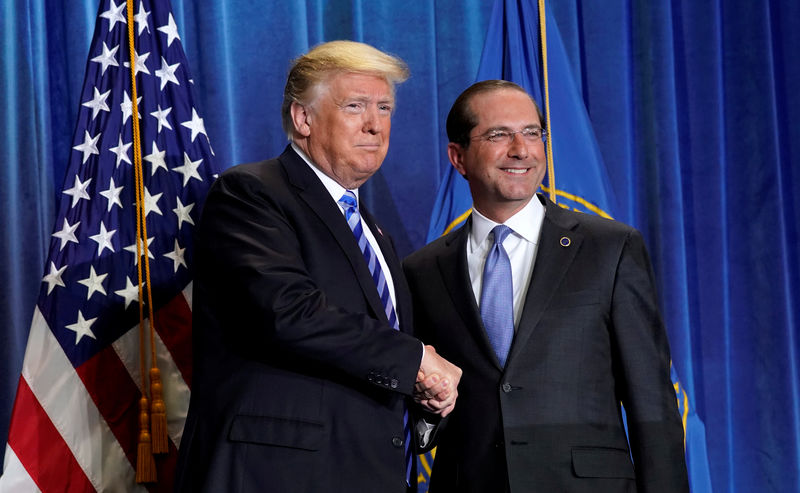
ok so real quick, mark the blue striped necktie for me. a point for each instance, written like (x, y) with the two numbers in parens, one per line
(497, 296)
(350, 206)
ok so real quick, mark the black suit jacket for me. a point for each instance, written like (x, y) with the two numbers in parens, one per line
(590, 337)
(298, 380)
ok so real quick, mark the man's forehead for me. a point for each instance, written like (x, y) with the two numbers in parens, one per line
(359, 82)
(505, 108)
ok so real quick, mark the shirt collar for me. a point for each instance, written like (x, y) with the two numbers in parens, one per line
(527, 223)
(331, 185)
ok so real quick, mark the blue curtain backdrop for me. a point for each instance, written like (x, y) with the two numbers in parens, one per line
(694, 106)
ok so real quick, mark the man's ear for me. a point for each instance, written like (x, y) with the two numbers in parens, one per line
(301, 117)
(455, 152)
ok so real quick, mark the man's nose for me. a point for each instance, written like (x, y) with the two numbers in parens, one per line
(518, 148)
(372, 120)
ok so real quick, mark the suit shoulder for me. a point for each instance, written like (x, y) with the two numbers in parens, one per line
(590, 223)
(251, 178)
(423, 257)
(259, 169)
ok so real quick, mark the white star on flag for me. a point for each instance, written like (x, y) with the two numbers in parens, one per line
(103, 239)
(82, 328)
(130, 292)
(108, 58)
(114, 14)
(167, 73)
(89, 145)
(176, 256)
(121, 150)
(151, 203)
(156, 159)
(132, 249)
(161, 116)
(189, 169)
(183, 212)
(171, 30)
(141, 18)
(98, 102)
(196, 125)
(126, 107)
(78, 190)
(112, 195)
(67, 233)
(94, 283)
(139, 62)
(53, 279)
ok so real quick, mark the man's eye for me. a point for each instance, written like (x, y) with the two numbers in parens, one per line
(385, 108)
(498, 136)
(353, 107)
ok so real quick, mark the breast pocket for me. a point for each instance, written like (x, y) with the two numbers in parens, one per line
(574, 299)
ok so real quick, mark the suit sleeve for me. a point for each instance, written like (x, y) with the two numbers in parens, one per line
(253, 261)
(643, 360)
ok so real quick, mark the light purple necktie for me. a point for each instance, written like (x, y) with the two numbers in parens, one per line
(350, 206)
(497, 296)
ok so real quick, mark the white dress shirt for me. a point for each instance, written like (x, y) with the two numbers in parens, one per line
(521, 246)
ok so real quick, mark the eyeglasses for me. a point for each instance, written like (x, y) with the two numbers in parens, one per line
(531, 135)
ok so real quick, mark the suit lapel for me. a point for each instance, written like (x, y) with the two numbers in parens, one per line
(455, 276)
(558, 245)
(316, 196)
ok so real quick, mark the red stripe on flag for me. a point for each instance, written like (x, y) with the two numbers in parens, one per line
(117, 396)
(41, 449)
(174, 326)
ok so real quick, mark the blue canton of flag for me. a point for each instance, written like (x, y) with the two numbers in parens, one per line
(80, 384)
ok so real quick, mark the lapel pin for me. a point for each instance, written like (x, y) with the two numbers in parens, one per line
(565, 242)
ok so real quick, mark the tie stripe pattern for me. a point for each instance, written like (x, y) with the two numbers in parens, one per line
(351, 214)
(497, 298)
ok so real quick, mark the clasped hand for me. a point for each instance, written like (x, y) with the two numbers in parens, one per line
(437, 383)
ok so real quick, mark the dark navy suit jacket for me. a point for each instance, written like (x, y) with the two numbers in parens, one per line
(590, 337)
(298, 381)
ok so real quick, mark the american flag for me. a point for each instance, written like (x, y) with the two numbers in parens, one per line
(74, 425)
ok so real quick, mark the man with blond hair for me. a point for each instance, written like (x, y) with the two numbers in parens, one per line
(304, 364)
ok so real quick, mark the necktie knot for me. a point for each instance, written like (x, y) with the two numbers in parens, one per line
(500, 232)
(349, 203)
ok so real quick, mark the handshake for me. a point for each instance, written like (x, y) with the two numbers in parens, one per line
(437, 383)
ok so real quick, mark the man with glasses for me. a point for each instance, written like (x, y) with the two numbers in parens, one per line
(552, 316)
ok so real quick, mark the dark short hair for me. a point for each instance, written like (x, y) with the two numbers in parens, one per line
(461, 119)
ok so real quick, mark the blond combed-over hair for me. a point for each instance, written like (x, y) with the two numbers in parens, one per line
(309, 72)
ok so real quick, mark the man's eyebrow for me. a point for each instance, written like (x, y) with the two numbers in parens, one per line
(506, 128)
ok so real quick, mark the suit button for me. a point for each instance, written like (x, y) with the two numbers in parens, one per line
(393, 383)
(506, 387)
(397, 442)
